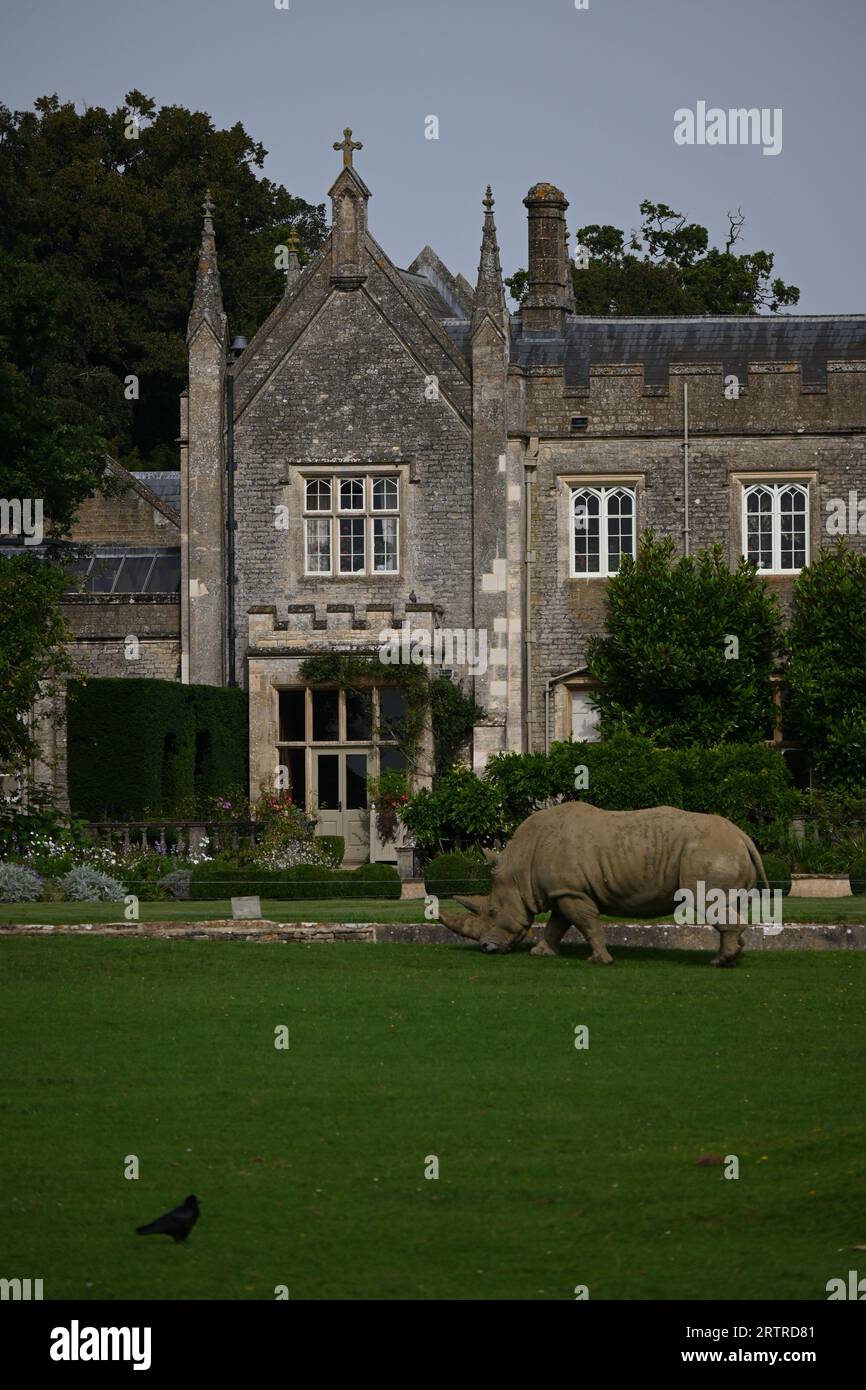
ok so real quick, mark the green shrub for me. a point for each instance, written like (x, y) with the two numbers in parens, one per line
(663, 659)
(176, 885)
(83, 885)
(374, 881)
(448, 874)
(826, 705)
(627, 773)
(332, 849)
(747, 783)
(778, 871)
(857, 875)
(460, 810)
(523, 780)
(19, 885)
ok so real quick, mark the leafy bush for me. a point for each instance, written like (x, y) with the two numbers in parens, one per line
(747, 783)
(448, 874)
(84, 885)
(176, 885)
(374, 881)
(19, 885)
(332, 849)
(827, 638)
(460, 810)
(778, 872)
(857, 875)
(627, 773)
(663, 662)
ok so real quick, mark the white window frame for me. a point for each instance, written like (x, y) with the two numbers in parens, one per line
(776, 487)
(367, 512)
(603, 493)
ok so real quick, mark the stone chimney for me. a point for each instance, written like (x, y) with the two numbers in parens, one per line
(550, 295)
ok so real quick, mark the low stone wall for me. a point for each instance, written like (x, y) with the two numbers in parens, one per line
(799, 937)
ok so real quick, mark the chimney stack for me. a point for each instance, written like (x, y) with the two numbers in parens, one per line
(551, 293)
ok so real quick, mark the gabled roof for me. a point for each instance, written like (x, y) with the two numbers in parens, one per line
(454, 290)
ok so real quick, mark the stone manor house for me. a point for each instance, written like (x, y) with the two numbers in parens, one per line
(394, 445)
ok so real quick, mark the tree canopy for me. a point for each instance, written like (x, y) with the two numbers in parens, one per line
(667, 266)
(104, 207)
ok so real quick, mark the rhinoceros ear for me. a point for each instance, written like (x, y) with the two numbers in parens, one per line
(476, 903)
(491, 857)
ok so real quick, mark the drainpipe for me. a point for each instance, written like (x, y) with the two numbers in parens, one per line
(528, 475)
(685, 468)
(230, 524)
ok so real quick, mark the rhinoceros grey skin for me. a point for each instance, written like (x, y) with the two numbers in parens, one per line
(582, 862)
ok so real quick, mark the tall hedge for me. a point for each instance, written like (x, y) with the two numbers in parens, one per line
(143, 748)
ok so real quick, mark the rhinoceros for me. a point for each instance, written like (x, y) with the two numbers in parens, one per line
(581, 862)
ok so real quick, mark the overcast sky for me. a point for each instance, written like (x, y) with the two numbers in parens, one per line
(523, 90)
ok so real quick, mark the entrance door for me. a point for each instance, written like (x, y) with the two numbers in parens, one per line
(356, 819)
(340, 799)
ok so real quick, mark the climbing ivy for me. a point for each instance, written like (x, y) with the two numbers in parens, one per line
(453, 712)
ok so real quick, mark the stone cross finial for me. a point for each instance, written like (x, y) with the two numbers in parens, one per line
(207, 205)
(488, 199)
(347, 145)
(293, 241)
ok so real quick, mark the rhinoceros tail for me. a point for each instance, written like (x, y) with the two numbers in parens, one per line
(754, 855)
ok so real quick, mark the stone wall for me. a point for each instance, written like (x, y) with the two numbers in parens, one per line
(341, 380)
(776, 429)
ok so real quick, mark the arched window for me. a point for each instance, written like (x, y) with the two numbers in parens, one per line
(776, 526)
(602, 529)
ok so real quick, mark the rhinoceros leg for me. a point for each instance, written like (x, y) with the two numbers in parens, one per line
(730, 949)
(554, 931)
(581, 913)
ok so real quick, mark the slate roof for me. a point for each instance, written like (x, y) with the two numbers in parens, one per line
(428, 293)
(733, 340)
(166, 485)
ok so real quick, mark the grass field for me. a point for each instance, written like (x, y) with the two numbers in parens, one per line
(828, 910)
(558, 1166)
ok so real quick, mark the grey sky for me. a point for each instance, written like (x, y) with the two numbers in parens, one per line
(523, 91)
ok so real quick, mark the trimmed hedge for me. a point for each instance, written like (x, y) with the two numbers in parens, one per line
(448, 874)
(305, 881)
(144, 748)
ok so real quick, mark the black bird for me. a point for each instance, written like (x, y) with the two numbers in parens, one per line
(177, 1223)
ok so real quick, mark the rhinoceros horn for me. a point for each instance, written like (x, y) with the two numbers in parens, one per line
(461, 922)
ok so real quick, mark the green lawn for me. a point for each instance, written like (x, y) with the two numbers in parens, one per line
(558, 1167)
(351, 910)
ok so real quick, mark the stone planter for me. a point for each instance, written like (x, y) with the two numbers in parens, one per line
(820, 886)
(408, 863)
